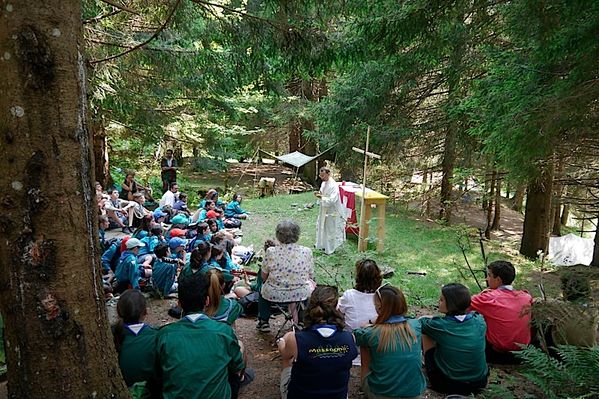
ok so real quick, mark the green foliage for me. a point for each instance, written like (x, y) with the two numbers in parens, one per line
(574, 375)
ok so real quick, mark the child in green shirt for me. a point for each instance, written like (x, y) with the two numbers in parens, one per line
(454, 345)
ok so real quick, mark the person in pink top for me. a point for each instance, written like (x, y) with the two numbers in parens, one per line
(506, 312)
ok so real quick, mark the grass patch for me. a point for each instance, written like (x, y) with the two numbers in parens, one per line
(411, 245)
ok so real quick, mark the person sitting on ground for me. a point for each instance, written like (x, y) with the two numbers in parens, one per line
(234, 210)
(357, 304)
(99, 189)
(170, 196)
(129, 270)
(181, 205)
(198, 260)
(119, 211)
(391, 349)
(130, 187)
(197, 357)
(208, 196)
(152, 241)
(135, 343)
(213, 226)
(318, 359)
(454, 345)
(221, 308)
(103, 224)
(287, 272)
(144, 227)
(178, 248)
(506, 312)
(200, 214)
(139, 211)
(164, 271)
(159, 216)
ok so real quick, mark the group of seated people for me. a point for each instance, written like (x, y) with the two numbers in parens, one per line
(126, 208)
(368, 325)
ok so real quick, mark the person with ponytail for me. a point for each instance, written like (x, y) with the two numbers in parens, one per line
(391, 349)
(454, 345)
(198, 260)
(318, 359)
(135, 343)
(219, 307)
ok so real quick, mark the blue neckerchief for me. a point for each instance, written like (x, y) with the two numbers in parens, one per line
(460, 318)
(395, 319)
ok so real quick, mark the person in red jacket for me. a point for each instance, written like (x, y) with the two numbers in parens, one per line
(506, 312)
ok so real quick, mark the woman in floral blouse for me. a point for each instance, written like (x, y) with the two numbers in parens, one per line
(287, 272)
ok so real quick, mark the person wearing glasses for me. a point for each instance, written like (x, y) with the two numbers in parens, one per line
(322, 349)
(357, 304)
(391, 349)
(454, 345)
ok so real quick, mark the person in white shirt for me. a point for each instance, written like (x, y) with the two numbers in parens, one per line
(171, 196)
(357, 304)
(330, 228)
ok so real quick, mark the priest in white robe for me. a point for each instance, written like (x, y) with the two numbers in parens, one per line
(330, 229)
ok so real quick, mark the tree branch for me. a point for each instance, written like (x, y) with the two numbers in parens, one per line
(100, 17)
(243, 14)
(140, 45)
(120, 7)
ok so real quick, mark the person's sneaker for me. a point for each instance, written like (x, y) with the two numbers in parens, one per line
(248, 376)
(263, 326)
(127, 230)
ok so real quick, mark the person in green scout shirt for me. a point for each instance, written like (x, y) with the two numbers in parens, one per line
(219, 307)
(390, 349)
(197, 357)
(135, 343)
(454, 345)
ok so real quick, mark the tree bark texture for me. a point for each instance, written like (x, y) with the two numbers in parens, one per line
(58, 342)
(447, 170)
(101, 155)
(519, 197)
(537, 223)
(565, 214)
(595, 261)
(496, 225)
(489, 208)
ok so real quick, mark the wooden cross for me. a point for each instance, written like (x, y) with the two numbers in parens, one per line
(362, 240)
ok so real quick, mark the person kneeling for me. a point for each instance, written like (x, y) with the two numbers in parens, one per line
(454, 345)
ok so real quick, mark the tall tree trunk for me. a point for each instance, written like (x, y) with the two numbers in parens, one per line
(519, 197)
(447, 169)
(101, 154)
(595, 261)
(489, 196)
(537, 225)
(565, 214)
(558, 190)
(497, 216)
(58, 342)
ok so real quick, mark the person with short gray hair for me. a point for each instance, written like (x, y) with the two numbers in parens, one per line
(287, 272)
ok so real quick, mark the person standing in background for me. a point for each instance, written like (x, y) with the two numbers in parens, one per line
(168, 173)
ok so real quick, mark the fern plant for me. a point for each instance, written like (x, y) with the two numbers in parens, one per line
(572, 375)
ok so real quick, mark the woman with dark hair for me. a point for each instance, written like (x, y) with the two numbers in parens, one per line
(198, 260)
(454, 345)
(323, 334)
(357, 304)
(234, 210)
(391, 349)
(135, 341)
(286, 271)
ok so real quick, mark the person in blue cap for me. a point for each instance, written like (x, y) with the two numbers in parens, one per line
(159, 215)
(178, 248)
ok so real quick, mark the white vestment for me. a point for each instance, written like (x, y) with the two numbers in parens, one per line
(330, 228)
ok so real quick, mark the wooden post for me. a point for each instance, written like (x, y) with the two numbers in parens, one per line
(363, 233)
